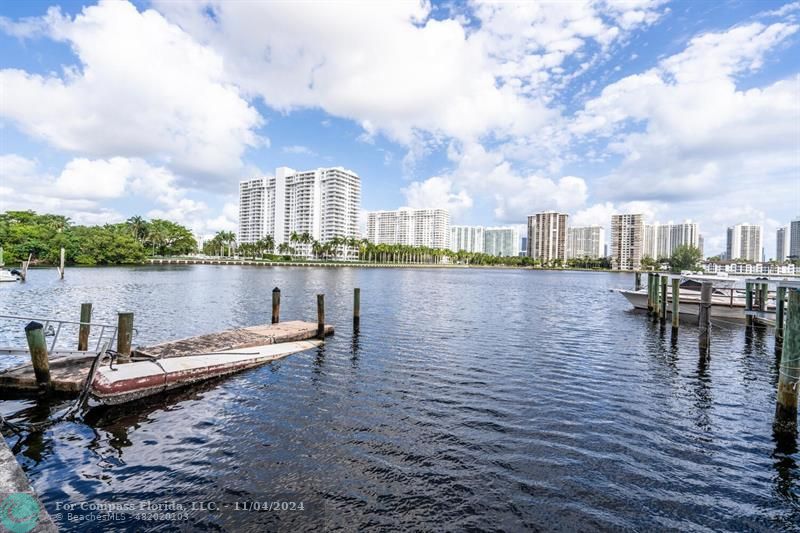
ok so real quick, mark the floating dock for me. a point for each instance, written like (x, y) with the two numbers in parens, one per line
(69, 370)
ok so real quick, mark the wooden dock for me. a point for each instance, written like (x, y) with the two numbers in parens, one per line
(68, 372)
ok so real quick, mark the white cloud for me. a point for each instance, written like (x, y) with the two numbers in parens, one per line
(144, 89)
(84, 186)
(298, 149)
(437, 192)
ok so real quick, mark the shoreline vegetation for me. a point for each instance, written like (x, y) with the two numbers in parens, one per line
(138, 241)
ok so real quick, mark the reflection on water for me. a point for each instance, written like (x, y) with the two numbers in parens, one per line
(466, 399)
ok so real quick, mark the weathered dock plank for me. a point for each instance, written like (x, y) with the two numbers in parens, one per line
(68, 374)
(21, 508)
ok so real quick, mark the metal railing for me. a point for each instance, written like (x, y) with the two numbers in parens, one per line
(49, 330)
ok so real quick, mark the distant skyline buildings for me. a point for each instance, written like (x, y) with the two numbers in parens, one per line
(794, 238)
(744, 242)
(501, 241)
(410, 227)
(659, 241)
(324, 202)
(466, 238)
(627, 236)
(586, 241)
(782, 243)
(547, 236)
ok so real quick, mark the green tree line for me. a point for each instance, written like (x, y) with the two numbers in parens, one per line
(42, 236)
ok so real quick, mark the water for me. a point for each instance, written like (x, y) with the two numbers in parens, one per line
(470, 399)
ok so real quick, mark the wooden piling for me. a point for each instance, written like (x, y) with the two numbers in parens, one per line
(663, 309)
(37, 345)
(780, 305)
(356, 307)
(84, 329)
(61, 264)
(124, 336)
(637, 281)
(321, 316)
(789, 375)
(656, 302)
(748, 302)
(649, 293)
(676, 304)
(704, 318)
(276, 305)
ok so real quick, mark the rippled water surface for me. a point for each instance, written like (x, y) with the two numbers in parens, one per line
(470, 399)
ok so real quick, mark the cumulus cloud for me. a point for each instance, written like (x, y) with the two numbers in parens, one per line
(438, 192)
(700, 132)
(144, 88)
(83, 188)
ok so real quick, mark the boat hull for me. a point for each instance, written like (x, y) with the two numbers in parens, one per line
(690, 307)
(136, 380)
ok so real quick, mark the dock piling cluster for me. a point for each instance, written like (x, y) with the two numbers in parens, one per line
(789, 371)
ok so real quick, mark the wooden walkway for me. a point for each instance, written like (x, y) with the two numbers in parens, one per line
(68, 373)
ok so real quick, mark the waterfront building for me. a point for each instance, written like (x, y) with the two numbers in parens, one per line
(737, 267)
(626, 241)
(701, 245)
(466, 238)
(794, 239)
(650, 240)
(782, 244)
(324, 202)
(411, 227)
(523, 248)
(744, 242)
(684, 234)
(547, 236)
(586, 241)
(501, 242)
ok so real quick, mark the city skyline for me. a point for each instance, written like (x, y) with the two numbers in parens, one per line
(676, 110)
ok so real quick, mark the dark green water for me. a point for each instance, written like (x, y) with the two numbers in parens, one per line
(470, 399)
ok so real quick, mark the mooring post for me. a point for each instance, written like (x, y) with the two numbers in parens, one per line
(748, 303)
(84, 329)
(663, 310)
(276, 305)
(356, 307)
(37, 345)
(676, 304)
(704, 318)
(321, 316)
(656, 292)
(637, 281)
(649, 293)
(789, 374)
(780, 306)
(124, 336)
(61, 263)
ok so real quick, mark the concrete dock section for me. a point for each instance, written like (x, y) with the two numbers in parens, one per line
(20, 508)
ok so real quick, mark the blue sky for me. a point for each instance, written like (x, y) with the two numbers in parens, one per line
(678, 110)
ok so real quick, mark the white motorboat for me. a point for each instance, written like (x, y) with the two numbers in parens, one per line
(728, 299)
(7, 275)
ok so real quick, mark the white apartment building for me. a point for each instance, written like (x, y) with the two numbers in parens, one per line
(794, 239)
(501, 242)
(547, 236)
(750, 268)
(411, 227)
(586, 241)
(744, 242)
(627, 232)
(324, 203)
(782, 244)
(466, 238)
(660, 240)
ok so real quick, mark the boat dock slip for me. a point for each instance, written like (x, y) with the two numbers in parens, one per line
(200, 357)
(19, 505)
